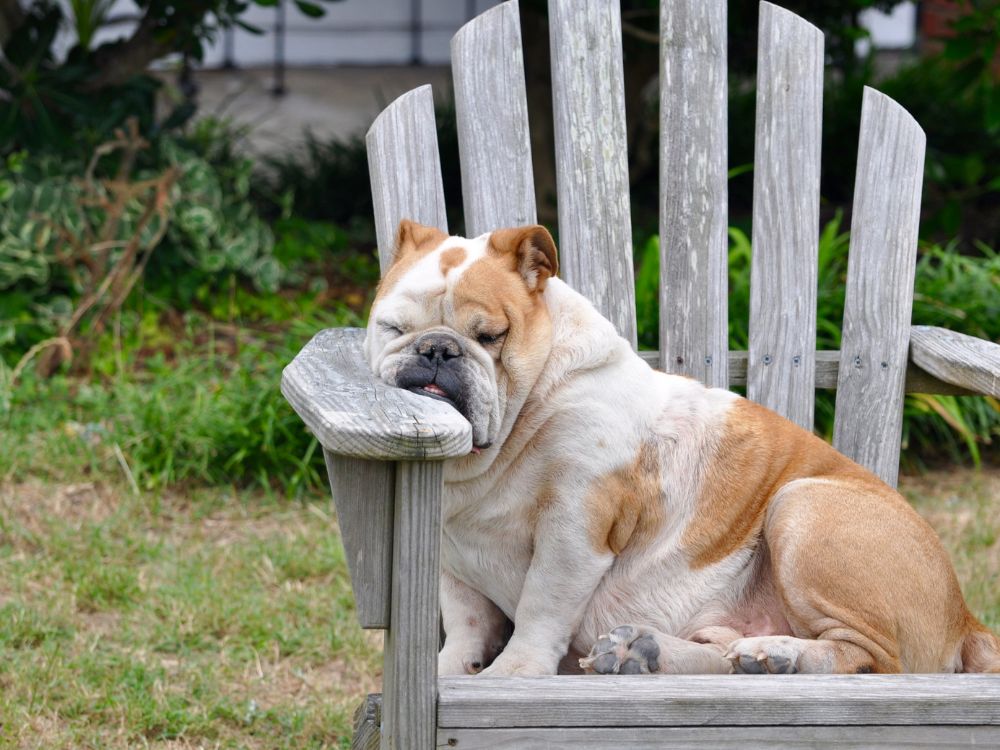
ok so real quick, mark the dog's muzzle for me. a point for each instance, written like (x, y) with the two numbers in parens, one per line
(436, 370)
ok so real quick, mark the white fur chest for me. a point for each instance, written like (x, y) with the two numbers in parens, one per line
(487, 540)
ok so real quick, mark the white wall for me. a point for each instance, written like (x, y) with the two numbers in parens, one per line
(378, 32)
(894, 30)
(352, 31)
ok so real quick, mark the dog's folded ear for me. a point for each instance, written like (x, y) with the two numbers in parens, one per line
(532, 252)
(411, 236)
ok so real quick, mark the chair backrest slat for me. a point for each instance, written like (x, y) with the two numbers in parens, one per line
(783, 276)
(881, 264)
(405, 169)
(694, 330)
(492, 112)
(588, 94)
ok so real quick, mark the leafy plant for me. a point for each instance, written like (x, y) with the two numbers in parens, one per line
(217, 228)
(75, 239)
(328, 178)
(75, 103)
(198, 403)
(951, 290)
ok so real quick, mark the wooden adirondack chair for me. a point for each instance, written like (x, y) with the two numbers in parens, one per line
(384, 446)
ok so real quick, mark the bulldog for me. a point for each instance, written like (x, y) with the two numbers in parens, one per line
(633, 521)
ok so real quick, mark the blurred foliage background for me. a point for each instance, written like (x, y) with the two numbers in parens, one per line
(154, 279)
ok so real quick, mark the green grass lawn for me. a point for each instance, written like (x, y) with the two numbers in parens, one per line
(204, 620)
(217, 619)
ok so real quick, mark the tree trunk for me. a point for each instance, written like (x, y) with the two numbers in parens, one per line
(117, 63)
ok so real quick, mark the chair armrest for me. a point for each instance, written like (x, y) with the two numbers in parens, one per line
(956, 358)
(353, 413)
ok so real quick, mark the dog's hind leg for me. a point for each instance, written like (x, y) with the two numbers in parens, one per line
(633, 649)
(864, 584)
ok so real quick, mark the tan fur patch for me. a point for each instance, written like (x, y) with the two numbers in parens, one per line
(759, 453)
(451, 258)
(488, 287)
(489, 296)
(981, 649)
(529, 250)
(546, 498)
(413, 242)
(626, 506)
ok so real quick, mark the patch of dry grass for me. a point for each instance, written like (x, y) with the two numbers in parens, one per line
(215, 621)
(963, 506)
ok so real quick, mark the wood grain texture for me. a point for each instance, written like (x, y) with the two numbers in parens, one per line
(353, 413)
(956, 358)
(783, 268)
(367, 723)
(880, 268)
(363, 491)
(718, 700)
(409, 717)
(694, 244)
(721, 738)
(405, 169)
(827, 372)
(588, 95)
(492, 113)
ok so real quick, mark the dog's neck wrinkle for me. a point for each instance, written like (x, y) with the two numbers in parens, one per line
(581, 341)
(510, 439)
(581, 336)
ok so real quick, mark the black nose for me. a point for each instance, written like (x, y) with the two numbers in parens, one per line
(438, 348)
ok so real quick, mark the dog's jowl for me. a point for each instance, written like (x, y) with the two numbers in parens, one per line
(628, 521)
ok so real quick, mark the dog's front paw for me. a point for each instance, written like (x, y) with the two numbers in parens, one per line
(773, 654)
(455, 661)
(625, 650)
(518, 663)
(464, 657)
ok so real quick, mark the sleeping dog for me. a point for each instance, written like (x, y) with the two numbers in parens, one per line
(632, 521)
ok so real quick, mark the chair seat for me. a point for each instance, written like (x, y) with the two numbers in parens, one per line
(718, 711)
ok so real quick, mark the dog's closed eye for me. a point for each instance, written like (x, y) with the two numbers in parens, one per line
(390, 328)
(489, 339)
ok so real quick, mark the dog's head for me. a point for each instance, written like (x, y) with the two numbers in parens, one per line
(463, 320)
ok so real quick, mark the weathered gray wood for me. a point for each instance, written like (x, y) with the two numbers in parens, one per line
(492, 113)
(363, 491)
(731, 738)
(411, 643)
(718, 700)
(880, 268)
(588, 95)
(352, 413)
(827, 372)
(405, 169)
(956, 358)
(367, 723)
(783, 267)
(694, 329)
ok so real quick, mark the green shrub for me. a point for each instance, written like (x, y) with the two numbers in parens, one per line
(216, 227)
(329, 179)
(951, 290)
(195, 411)
(75, 236)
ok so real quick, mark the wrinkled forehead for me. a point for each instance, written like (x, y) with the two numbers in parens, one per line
(424, 283)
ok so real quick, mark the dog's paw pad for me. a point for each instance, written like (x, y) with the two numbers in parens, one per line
(764, 655)
(750, 665)
(625, 650)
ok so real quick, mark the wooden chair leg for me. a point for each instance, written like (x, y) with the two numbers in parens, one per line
(409, 708)
(367, 723)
